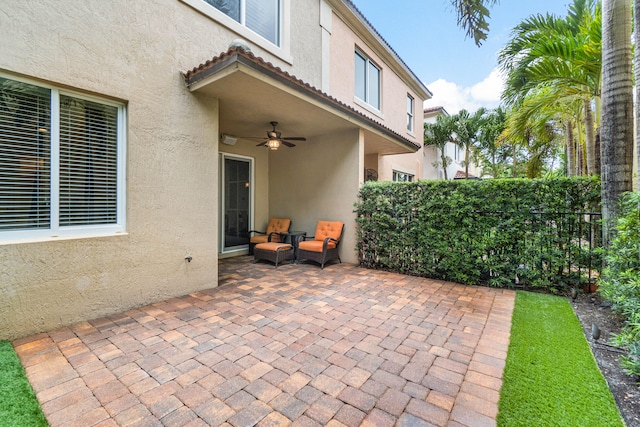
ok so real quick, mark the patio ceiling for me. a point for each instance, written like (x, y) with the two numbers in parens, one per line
(253, 93)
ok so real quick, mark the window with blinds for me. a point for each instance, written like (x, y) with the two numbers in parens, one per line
(260, 16)
(59, 161)
(25, 157)
(88, 162)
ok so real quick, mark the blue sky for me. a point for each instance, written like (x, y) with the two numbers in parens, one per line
(425, 34)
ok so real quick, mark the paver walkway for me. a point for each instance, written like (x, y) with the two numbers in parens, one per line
(289, 346)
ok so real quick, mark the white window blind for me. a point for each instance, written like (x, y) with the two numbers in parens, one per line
(260, 16)
(61, 167)
(88, 167)
(25, 159)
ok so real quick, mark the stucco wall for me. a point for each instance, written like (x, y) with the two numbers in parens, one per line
(393, 110)
(132, 51)
(319, 181)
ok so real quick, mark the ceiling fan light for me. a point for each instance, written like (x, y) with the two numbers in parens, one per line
(273, 144)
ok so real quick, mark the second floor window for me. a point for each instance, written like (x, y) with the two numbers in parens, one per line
(260, 16)
(367, 80)
(409, 113)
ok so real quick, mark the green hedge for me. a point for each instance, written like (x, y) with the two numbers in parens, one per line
(496, 232)
(621, 284)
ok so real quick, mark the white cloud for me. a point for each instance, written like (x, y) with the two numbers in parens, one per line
(454, 97)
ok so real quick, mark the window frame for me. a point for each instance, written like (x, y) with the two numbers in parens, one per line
(55, 231)
(367, 81)
(281, 50)
(410, 112)
(398, 173)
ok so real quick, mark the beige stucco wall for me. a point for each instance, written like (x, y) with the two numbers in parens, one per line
(406, 163)
(393, 111)
(132, 51)
(319, 181)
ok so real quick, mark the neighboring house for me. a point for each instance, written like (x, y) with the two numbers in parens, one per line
(452, 150)
(126, 167)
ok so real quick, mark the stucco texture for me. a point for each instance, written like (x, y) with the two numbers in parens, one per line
(133, 52)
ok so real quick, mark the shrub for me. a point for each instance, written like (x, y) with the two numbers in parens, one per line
(621, 284)
(496, 232)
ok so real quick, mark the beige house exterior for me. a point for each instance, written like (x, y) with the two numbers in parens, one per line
(135, 166)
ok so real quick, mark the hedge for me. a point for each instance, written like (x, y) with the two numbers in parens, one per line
(499, 232)
(621, 284)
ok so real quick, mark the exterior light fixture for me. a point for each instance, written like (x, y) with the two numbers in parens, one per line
(228, 139)
(273, 144)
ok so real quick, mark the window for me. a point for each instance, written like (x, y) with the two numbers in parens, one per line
(402, 177)
(456, 152)
(409, 113)
(367, 80)
(61, 162)
(260, 16)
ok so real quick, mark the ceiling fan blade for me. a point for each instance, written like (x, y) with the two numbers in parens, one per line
(262, 144)
(288, 144)
(295, 138)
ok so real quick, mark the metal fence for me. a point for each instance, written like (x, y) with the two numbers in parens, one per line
(562, 247)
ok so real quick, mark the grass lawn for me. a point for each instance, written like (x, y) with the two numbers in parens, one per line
(18, 404)
(551, 378)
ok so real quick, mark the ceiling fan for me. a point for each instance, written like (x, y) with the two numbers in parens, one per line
(274, 139)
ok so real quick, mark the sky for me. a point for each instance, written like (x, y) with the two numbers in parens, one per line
(426, 36)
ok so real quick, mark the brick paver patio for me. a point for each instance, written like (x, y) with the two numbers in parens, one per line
(289, 346)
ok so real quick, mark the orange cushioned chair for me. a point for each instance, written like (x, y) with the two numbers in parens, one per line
(276, 227)
(324, 246)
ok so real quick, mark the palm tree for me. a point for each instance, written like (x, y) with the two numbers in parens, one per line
(492, 153)
(617, 107)
(552, 55)
(439, 134)
(472, 17)
(466, 127)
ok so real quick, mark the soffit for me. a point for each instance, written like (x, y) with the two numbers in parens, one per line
(252, 93)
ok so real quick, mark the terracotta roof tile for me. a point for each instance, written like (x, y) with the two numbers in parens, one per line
(462, 175)
(234, 54)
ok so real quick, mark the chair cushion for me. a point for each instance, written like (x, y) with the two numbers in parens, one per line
(315, 245)
(279, 225)
(272, 246)
(326, 229)
(260, 239)
(265, 239)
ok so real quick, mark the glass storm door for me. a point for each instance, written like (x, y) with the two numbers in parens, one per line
(236, 202)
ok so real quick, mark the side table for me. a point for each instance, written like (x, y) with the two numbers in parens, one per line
(293, 239)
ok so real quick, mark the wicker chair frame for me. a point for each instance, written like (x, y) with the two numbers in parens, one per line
(269, 237)
(323, 257)
(273, 252)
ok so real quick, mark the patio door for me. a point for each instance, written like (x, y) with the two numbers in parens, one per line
(236, 197)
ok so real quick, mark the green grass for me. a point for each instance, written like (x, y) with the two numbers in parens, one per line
(551, 378)
(18, 403)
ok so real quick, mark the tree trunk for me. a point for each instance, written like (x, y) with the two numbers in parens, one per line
(580, 159)
(443, 159)
(636, 9)
(466, 162)
(571, 150)
(592, 169)
(616, 136)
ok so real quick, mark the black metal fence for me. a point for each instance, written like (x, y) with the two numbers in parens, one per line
(557, 247)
